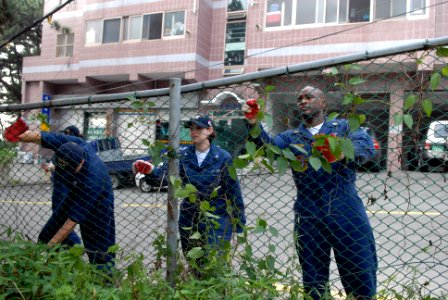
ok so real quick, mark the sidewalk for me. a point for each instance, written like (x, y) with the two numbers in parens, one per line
(28, 173)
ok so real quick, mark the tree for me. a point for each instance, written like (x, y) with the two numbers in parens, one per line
(16, 15)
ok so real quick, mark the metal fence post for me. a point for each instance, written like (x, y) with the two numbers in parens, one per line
(173, 170)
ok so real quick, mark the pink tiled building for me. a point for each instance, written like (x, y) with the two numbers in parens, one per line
(139, 44)
(121, 46)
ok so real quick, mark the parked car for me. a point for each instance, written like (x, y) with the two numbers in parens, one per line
(433, 150)
(119, 166)
(374, 164)
(147, 184)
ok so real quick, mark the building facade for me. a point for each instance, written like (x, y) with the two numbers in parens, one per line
(120, 46)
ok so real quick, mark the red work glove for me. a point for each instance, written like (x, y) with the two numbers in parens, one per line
(251, 109)
(141, 166)
(17, 128)
(325, 150)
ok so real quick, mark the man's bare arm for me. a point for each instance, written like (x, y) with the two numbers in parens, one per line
(63, 232)
(30, 137)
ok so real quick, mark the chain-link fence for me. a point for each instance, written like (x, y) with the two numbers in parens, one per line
(398, 95)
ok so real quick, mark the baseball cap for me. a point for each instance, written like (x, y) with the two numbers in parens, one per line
(67, 158)
(201, 121)
(311, 92)
(71, 130)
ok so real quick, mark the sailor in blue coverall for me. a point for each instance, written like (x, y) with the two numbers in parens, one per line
(328, 211)
(83, 196)
(205, 166)
(60, 191)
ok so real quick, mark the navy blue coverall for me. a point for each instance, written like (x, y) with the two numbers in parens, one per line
(86, 198)
(330, 215)
(212, 173)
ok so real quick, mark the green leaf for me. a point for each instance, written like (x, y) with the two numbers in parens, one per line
(137, 105)
(175, 182)
(204, 206)
(347, 148)
(348, 99)
(261, 226)
(215, 192)
(355, 67)
(398, 118)
(356, 81)
(240, 163)
(444, 71)
(232, 172)
(255, 131)
(353, 122)
(409, 102)
(190, 188)
(331, 71)
(181, 193)
(251, 148)
(315, 162)
(195, 236)
(332, 116)
(211, 216)
(442, 51)
(268, 165)
(407, 119)
(427, 106)
(269, 88)
(287, 153)
(357, 100)
(274, 149)
(273, 231)
(435, 80)
(195, 253)
(326, 165)
(298, 148)
(282, 164)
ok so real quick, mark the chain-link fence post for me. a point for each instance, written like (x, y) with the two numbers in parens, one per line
(173, 171)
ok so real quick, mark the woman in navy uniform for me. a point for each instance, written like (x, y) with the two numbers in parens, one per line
(84, 195)
(205, 166)
(328, 211)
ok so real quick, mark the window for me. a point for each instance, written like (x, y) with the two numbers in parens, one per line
(162, 132)
(64, 44)
(174, 23)
(111, 31)
(94, 32)
(152, 26)
(235, 43)
(146, 27)
(303, 12)
(132, 28)
(96, 125)
(236, 5)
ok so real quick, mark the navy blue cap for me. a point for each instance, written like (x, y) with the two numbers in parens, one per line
(68, 157)
(72, 130)
(200, 121)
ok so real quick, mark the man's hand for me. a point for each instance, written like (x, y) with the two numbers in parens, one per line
(143, 167)
(251, 109)
(12, 133)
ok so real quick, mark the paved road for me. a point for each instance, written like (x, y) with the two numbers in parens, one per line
(408, 211)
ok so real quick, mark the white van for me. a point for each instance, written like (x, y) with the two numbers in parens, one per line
(434, 152)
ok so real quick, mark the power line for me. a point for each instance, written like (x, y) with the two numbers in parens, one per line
(35, 23)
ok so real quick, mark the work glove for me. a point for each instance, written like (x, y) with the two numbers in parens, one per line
(143, 167)
(251, 109)
(325, 149)
(12, 133)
